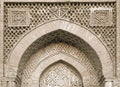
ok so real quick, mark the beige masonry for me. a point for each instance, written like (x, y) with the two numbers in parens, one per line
(67, 26)
(63, 41)
(58, 58)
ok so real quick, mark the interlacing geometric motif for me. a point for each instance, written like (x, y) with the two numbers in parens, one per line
(60, 75)
(75, 12)
(32, 64)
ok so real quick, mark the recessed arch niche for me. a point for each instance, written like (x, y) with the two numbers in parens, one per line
(65, 32)
(57, 52)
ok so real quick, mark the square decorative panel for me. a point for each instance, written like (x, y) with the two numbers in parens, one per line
(101, 16)
(18, 17)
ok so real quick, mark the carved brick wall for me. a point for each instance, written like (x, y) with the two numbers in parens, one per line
(98, 17)
(57, 37)
(35, 59)
(40, 13)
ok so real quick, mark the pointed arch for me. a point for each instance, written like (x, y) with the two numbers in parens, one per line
(79, 31)
(48, 61)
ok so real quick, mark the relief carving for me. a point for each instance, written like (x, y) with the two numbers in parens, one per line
(101, 17)
(60, 75)
(59, 12)
(18, 17)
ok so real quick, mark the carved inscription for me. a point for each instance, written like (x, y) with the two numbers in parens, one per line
(101, 17)
(18, 17)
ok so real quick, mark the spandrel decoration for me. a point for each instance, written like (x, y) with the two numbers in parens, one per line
(101, 16)
(18, 17)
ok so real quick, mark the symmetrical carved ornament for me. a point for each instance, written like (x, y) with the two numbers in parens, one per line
(59, 12)
(18, 17)
(60, 75)
(21, 18)
(101, 16)
(47, 52)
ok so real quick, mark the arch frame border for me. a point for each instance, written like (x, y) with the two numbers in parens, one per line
(79, 31)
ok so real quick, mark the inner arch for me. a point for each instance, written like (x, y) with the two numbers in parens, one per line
(59, 36)
(60, 74)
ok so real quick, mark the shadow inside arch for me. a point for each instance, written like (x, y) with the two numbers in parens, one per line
(59, 36)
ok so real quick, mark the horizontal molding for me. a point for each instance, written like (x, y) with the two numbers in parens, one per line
(60, 1)
(7, 78)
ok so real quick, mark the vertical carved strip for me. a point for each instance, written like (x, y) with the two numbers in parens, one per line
(118, 44)
(1, 38)
(118, 38)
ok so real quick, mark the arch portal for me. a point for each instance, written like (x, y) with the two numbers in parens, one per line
(65, 31)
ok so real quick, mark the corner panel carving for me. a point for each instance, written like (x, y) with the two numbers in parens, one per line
(18, 17)
(101, 17)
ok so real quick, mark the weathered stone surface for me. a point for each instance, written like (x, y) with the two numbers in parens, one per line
(69, 43)
(101, 16)
(1, 38)
(18, 17)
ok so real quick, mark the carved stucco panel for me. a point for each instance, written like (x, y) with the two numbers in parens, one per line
(60, 75)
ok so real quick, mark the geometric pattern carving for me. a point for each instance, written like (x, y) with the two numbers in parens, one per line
(101, 17)
(60, 75)
(78, 13)
(18, 17)
(96, 73)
